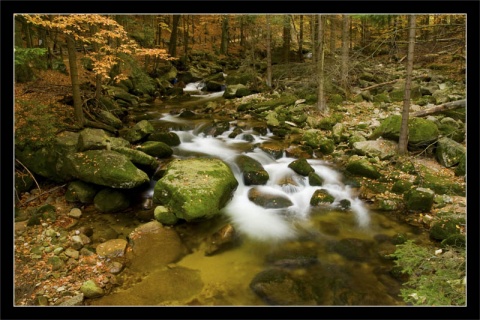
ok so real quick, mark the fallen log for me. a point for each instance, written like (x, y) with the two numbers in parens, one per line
(443, 107)
(390, 82)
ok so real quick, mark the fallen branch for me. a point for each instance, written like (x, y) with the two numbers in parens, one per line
(390, 82)
(99, 125)
(41, 194)
(38, 186)
(443, 107)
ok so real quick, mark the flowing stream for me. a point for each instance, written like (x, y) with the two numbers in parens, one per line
(347, 248)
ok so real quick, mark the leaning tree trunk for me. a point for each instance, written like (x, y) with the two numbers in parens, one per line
(403, 140)
(77, 99)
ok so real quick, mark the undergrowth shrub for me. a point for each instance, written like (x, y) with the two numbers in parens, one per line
(437, 280)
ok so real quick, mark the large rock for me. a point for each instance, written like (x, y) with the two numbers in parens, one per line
(139, 131)
(81, 191)
(138, 157)
(110, 200)
(362, 167)
(195, 188)
(156, 149)
(105, 168)
(383, 149)
(154, 246)
(419, 200)
(252, 170)
(449, 153)
(268, 200)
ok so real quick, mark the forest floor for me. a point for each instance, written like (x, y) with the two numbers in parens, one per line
(34, 276)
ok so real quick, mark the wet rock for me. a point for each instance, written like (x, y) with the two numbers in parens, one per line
(314, 179)
(164, 216)
(221, 240)
(268, 200)
(214, 129)
(137, 157)
(352, 248)
(91, 289)
(301, 166)
(154, 246)
(103, 232)
(110, 200)
(138, 132)
(299, 152)
(253, 171)
(81, 191)
(277, 287)
(112, 248)
(170, 138)
(321, 196)
(293, 258)
(156, 148)
(274, 149)
(195, 189)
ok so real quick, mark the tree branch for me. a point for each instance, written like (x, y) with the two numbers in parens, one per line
(443, 107)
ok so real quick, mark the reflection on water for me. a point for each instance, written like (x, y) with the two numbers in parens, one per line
(323, 255)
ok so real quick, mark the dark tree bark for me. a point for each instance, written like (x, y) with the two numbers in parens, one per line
(77, 98)
(269, 53)
(403, 140)
(172, 47)
(224, 42)
(286, 38)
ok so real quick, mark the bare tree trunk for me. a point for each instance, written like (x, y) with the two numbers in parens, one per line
(269, 53)
(286, 38)
(332, 34)
(321, 105)
(313, 29)
(77, 99)
(300, 41)
(224, 41)
(403, 140)
(345, 45)
(172, 47)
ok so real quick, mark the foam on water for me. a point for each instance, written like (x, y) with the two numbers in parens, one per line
(255, 221)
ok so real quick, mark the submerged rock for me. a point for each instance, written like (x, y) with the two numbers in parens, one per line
(223, 239)
(268, 200)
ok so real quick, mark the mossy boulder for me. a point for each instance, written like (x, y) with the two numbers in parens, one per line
(138, 157)
(91, 289)
(439, 183)
(273, 148)
(419, 200)
(111, 200)
(401, 186)
(81, 191)
(252, 170)
(421, 133)
(105, 168)
(312, 138)
(362, 167)
(195, 189)
(268, 200)
(445, 228)
(170, 138)
(460, 170)
(321, 196)
(314, 179)
(383, 149)
(449, 153)
(164, 216)
(156, 149)
(138, 132)
(451, 128)
(327, 146)
(301, 166)
(109, 119)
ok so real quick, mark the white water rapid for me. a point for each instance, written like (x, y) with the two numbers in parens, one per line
(255, 221)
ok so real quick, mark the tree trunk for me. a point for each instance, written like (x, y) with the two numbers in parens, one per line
(224, 43)
(286, 38)
(300, 42)
(403, 140)
(172, 47)
(313, 33)
(269, 53)
(321, 105)
(185, 38)
(345, 45)
(77, 99)
(332, 34)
